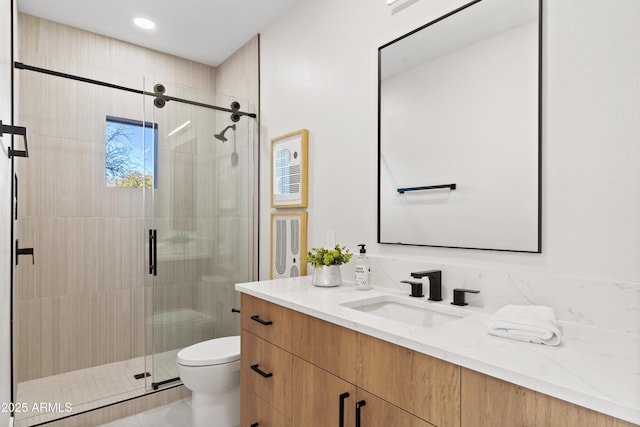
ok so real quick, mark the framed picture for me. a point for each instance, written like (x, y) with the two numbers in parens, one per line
(289, 170)
(288, 244)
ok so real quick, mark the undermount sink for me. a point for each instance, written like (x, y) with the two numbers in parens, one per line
(416, 312)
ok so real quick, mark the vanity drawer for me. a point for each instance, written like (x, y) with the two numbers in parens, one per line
(266, 370)
(266, 320)
(256, 410)
(424, 386)
(326, 345)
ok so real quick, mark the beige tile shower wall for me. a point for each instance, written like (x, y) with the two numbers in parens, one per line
(82, 303)
(239, 76)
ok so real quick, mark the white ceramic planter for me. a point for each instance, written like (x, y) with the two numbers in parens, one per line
(327, 276)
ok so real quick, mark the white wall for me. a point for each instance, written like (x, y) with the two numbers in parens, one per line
(319, 71)
(5, 210)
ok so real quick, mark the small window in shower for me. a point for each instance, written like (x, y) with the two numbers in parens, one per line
(131, 150)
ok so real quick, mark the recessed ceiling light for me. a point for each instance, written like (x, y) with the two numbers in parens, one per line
(144, 23)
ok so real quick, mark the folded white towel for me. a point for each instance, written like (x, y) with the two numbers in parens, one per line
(531, 323)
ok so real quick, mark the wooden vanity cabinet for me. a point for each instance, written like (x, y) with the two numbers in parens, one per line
(490, 402)
(256, 410)
(265, 370)
(329, 365)
(313, 363)
(269, 371)
(325, 344)
(324, 371)
(269, 321)
(379, 413)
(320, 398)
(422, 385)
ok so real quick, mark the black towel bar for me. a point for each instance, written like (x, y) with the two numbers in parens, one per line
(429, 187)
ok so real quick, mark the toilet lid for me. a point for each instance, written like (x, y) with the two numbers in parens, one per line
(211, 352)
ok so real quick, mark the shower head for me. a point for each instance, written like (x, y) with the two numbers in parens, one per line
(221, 136)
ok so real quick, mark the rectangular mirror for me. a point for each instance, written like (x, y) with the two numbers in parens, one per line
(459, 130)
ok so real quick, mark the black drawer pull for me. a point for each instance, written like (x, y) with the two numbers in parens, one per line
(261, 372)
(358, 406)
(343, 396)
(262, 322)
(254, 425)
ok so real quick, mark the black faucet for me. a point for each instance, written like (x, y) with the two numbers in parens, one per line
(435, 283)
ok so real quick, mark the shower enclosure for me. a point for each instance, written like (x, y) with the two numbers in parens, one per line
(199, 220)
(141, 223)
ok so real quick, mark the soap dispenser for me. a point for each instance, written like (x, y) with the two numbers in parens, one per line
(363, 270)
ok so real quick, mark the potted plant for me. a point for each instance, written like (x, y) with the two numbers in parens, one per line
(326, 264)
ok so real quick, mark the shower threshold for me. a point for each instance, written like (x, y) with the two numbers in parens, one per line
(71, 393)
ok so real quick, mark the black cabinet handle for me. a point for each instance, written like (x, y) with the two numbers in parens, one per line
(358, 406)
(262, 322)
(343, 396)
(235, 310)
(254, 425)
(261, 372)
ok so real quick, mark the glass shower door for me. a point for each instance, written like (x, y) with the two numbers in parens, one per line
(78, 304)
(198, 204)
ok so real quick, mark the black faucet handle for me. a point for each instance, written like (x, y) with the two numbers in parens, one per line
(458, 295)
(416, 288)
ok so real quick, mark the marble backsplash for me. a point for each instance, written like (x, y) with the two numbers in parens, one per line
(598, 303)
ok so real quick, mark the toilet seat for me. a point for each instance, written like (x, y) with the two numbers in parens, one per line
(218, 351)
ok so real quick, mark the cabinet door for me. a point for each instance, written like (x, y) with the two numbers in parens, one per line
(256, 411)
(425, 386)
(266, 370)
(377, 413)
(490, 402)
(320, 399)
(266, 320)
(325, 344)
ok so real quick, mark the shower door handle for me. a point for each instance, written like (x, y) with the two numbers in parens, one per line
(153, 253)
(15, 196)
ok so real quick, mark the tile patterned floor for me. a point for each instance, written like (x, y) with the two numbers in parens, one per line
(89, 388)
(83, 389)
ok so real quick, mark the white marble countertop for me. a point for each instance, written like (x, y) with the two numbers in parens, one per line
(595, 368)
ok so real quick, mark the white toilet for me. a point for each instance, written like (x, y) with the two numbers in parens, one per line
(211, 370)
